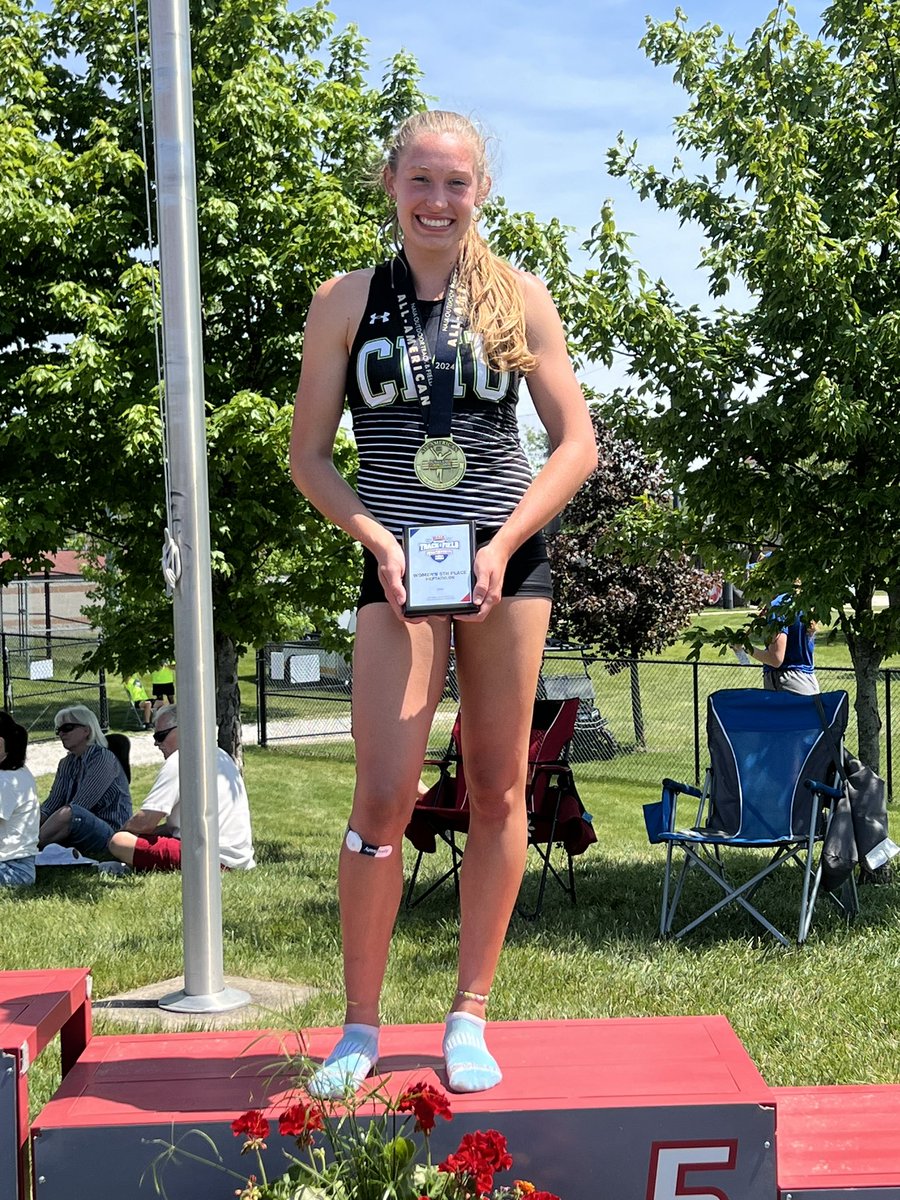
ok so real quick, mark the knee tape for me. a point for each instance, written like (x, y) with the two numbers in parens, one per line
(356, 845)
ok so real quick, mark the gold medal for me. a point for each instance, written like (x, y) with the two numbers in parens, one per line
(439, 463)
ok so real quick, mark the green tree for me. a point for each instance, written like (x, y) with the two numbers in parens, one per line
(619, 605)
(777, 418)
(286, 131)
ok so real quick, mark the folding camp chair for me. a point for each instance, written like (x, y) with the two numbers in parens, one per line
(556, 815)
(770, 754)
(592, 737)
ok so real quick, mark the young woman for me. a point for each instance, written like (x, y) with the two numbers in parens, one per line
(364, 341)
(20, 813)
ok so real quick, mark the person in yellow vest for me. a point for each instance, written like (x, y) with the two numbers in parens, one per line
(162, 681)
(137, 694)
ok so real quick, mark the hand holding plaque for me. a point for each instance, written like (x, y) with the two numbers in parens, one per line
(440, 574)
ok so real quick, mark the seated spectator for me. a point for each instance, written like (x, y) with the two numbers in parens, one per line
(20, 814)
(137, 694)
(151, 840)
(90, 798)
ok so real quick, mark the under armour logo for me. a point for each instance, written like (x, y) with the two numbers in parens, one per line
(379, 317)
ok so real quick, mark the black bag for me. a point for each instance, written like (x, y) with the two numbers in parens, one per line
(859, 828)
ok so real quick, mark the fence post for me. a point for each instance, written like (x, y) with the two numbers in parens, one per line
(637, 708)
(695, 678)
(7, 678)
(888, 740)
(104, 700)
(261, 732)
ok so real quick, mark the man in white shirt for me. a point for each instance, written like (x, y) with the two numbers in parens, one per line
(151, 839)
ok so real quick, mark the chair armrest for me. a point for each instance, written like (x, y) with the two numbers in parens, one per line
(823, 789)
(686, 789)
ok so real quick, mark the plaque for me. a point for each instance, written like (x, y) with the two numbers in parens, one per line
(440, 573)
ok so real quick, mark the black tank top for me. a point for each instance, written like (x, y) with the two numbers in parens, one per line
(389, 427)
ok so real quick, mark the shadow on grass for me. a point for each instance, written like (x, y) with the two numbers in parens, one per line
(267, 852)
(619, 903)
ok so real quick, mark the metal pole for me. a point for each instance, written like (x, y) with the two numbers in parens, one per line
(261, 697)
(889, 737)
(695, 680)
(173, 129)
(104, 700)
(7, 680)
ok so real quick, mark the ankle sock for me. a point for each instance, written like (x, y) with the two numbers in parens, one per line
(347, 1065)
(470, 1066)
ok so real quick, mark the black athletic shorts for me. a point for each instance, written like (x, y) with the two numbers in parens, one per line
(527, 572)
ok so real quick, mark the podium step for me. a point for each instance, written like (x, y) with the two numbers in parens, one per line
(648, 1106)
(838, 1143)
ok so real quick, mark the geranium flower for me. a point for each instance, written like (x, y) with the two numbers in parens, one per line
(300, 1121)
(251, 1192)
(480, 1156)
(426, 1102)
(255, 1126)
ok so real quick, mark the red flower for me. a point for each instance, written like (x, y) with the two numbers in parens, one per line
(543, 1196)
(426, 1102)
(253, 1123)
(300, 1121)
(479, 1156)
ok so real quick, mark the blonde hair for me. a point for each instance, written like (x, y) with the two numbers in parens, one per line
(495, 306)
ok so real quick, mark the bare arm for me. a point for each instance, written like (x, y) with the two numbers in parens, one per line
(773, 655)
(334, 315)
(143, 822)
(561, 407)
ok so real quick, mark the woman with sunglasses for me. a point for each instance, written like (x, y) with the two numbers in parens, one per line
(19, 810)
(90, 798)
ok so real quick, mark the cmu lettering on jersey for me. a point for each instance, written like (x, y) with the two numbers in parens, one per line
(382, 362)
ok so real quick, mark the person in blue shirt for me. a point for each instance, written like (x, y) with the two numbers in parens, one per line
(788, 659)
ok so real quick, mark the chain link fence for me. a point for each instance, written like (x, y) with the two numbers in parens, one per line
(639, 719)
(40, 676)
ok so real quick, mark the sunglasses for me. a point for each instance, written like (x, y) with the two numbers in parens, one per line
(69, 726)
(161, 734)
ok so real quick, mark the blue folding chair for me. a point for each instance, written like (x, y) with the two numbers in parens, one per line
(770, 757)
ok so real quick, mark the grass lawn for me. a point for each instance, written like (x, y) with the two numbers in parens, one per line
(827, 1013)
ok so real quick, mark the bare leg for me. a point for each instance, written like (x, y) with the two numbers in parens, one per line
(498, 663)
(121, 846)
(398, 676)
(56, 828)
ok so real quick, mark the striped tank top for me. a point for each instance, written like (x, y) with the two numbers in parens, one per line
(389, 425)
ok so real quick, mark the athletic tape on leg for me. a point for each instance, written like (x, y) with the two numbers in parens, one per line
(354, 843)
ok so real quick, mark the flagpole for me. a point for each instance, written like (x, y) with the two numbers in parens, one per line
(173, 138)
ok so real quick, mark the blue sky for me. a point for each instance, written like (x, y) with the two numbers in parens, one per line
(554, 83)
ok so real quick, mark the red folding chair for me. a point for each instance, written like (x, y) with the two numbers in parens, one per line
(556, 816)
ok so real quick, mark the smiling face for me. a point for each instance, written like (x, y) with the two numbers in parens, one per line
(436, 187)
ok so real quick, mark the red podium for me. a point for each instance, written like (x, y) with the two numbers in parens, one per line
(35, 1006)
(652, 1107)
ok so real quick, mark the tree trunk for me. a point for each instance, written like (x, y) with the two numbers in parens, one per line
(867, 658)
(228, 699)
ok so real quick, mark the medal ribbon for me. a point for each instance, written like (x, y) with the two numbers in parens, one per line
(433, 375)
